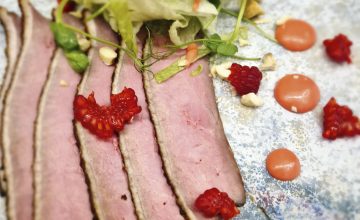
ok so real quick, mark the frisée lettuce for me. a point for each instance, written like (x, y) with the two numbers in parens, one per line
(122, 15)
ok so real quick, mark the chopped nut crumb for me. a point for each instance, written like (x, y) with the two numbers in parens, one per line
(268, 63)
(222, 70)
(107, 55)
(251, 100)
(63, 83)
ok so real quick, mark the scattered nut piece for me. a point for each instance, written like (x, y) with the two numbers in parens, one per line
(213, 71)
(222, 70)
(282, 20)
(251, 100)
(63, 83)
(84, 43)
(107, 55)
(268, 63)
(252, 9)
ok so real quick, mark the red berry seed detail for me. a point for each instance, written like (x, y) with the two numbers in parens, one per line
(339, 121)
(103, 121)
(245, 79)
(70, 6)
(213, 202)
(338, 48)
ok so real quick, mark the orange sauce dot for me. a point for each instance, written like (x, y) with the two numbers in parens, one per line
(283, 164)
(297, 93)
(295, 35)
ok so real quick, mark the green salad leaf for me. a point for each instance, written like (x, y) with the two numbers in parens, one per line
(64, 37)
(217, 45)
(213, 43)
(184, 30)
(185, 22)
(227, 49)
(77, 60)
(119, 12)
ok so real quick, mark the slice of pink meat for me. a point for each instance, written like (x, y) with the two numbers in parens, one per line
(152, 195)
(12, 26)
(102, 160)
(20, 111)
(60, 188)
(193, 146)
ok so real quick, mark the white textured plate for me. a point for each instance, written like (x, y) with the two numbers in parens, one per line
(329, 185)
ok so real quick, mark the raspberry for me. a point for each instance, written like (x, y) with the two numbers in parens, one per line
(245, 79)
(104, 120)
(338, 49)
(213, 202)
(339, 121)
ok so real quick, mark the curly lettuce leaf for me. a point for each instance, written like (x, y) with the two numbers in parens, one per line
(184, 30)
(119, 12)
(186, 23)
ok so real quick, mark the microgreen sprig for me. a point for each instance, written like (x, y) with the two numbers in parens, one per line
(216, 46)
(236, 31)
(261, 31)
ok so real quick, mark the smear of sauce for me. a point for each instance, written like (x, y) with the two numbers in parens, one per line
(297, 93)
(295, 35)
(283, 164)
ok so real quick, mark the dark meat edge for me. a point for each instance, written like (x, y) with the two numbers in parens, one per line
(91, 52)
(8, 21)
(25, 6)
(186, 211)
(45, 87)
(134, 199)
(77, 136)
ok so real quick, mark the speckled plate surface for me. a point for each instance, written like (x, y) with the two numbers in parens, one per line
(329, 184)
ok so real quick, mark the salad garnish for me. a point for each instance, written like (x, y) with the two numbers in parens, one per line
(183, 20)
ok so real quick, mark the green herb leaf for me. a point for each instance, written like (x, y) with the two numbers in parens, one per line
(64, 37)
(197, 71)
(77, 60)
(227, 49)
(213, 45)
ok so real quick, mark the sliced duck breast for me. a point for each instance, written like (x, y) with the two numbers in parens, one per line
(103, 164)
(20, 109)
(60, 188)
(193, 146)
(152, 195)
(12, 26)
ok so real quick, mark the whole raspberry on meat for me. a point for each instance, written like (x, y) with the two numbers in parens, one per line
(338, 48)
(245, 79)
(213, 202)
(339, 121)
